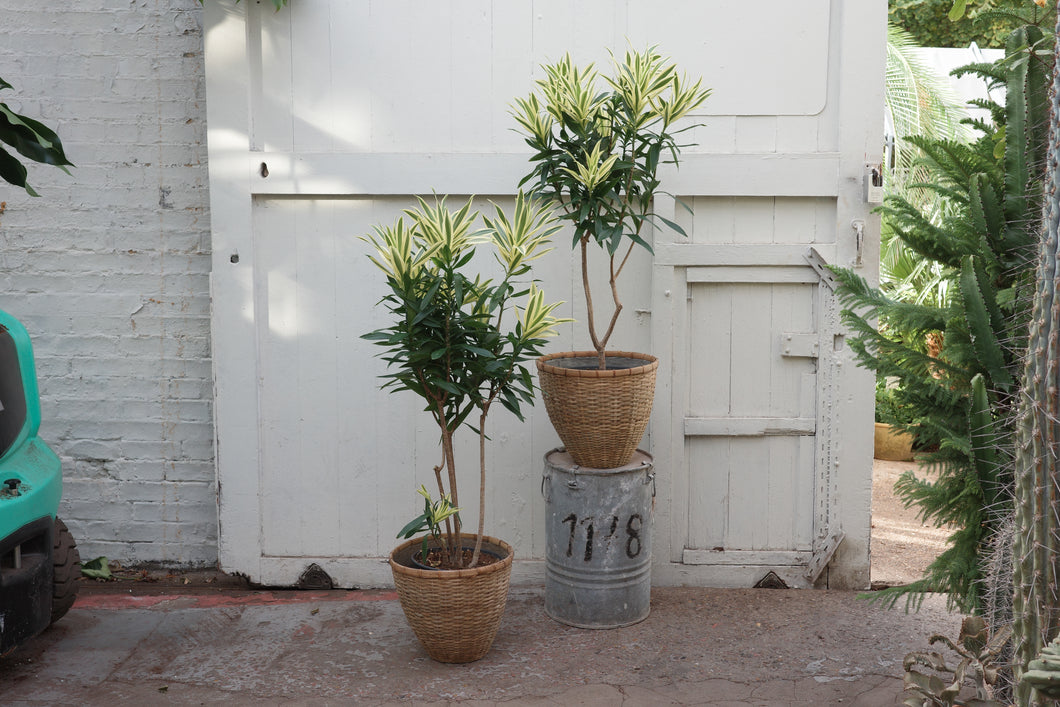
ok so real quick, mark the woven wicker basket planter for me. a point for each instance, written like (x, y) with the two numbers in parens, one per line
(454, 613)
(599, 415)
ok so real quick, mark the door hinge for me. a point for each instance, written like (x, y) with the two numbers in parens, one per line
(820, 266)
(794, 345)
(822, 557)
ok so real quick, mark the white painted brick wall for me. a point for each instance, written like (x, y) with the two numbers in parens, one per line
(109, 270)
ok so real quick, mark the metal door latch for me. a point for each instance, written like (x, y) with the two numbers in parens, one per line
(874, 183)
(859, 233)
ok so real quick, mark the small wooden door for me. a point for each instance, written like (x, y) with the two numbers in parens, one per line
(756, 347)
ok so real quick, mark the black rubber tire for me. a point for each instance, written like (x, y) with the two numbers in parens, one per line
(66, 561)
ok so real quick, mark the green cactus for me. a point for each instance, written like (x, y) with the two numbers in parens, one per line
(979, 233)
(1036, 604)
(1043, 673)
(1027, 118)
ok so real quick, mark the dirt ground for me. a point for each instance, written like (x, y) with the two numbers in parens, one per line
(902, 546)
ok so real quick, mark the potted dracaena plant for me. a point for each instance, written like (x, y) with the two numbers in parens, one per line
(596, 156)
(456, 342)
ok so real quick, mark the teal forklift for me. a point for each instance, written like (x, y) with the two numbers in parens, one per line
(39, 563)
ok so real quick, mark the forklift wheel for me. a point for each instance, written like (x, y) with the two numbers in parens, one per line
(67, 563)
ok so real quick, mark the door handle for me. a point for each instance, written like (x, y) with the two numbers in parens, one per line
(859, 234)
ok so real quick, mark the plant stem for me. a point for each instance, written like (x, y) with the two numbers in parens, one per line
(447, 439)
(481, 482)
(1036, 603)
(622, 265)
(439, 417)
(613, 272)
(601, 343)
(584, 243)
(441, 494)
(614, 297)
(453, 540)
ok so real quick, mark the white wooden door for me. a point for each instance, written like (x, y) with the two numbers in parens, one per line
(767, 416)
(328, 116)
(755, 347)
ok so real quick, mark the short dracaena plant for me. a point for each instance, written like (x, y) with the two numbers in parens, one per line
(430, 521)
(597, 155)
(457, 339)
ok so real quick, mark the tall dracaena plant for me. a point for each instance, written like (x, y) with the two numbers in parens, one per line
(454, 339)
(597, 154)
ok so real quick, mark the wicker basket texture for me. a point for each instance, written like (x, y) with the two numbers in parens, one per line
(600, 415)
(454, 613)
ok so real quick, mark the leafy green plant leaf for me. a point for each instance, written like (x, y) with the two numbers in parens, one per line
(31, 139)
(982, 315)
(97, 568)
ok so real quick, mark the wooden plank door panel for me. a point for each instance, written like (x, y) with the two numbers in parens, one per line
(750, 404)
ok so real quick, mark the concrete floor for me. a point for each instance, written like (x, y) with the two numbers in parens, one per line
(211, 642)
(698, 647)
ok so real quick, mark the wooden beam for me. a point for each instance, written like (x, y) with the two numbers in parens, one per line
(713, 255)
(749, 426)
(824, 556)
(747, 558)
(372, 173)
(758, 274)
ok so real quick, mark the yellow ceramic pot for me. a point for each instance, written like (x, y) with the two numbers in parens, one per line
(892, 445)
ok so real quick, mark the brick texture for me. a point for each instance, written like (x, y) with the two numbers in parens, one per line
(109, 269)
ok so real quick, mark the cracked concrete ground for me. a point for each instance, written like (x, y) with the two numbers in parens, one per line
(145, 644)
(698, 647)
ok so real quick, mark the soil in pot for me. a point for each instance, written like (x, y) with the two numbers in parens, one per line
(436, 559)
(591, 363)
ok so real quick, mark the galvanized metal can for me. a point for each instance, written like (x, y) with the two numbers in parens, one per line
(598, 541)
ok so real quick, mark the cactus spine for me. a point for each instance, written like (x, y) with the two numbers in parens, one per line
(1036, 546)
